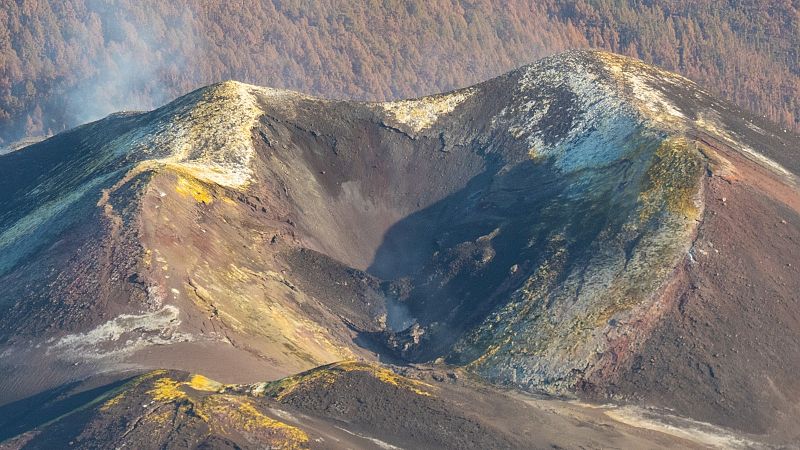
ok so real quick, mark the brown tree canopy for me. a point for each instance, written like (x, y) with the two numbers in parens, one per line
(68, 61)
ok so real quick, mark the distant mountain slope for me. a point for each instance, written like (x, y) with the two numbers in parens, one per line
(64, 63)
(585, 226)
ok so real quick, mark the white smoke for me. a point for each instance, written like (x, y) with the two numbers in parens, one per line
(133, 70)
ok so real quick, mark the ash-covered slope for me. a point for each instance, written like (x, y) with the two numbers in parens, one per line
(586, 225)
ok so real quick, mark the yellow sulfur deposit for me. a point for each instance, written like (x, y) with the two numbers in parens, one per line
(241, 414)
(201, 383)
(329, 374)
(166, 389)
(222, 412)
(193, 188)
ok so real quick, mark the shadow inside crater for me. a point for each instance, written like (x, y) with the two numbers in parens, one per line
(463, 257)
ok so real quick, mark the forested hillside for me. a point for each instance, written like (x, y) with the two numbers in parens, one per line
(69, 61)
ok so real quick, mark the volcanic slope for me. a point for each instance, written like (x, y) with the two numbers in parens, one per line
(587, 225)
(341, 405)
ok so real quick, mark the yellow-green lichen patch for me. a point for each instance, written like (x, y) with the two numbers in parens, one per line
(122, 391)
(282, 388)
(231, 413)
(330, 374)
(113, 401)
(389, 377)
(671, 181)
(670, 192)
(167, 389)
(671, 185)
(199, 400)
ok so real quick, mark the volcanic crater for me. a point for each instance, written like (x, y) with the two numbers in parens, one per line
(584, 226)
